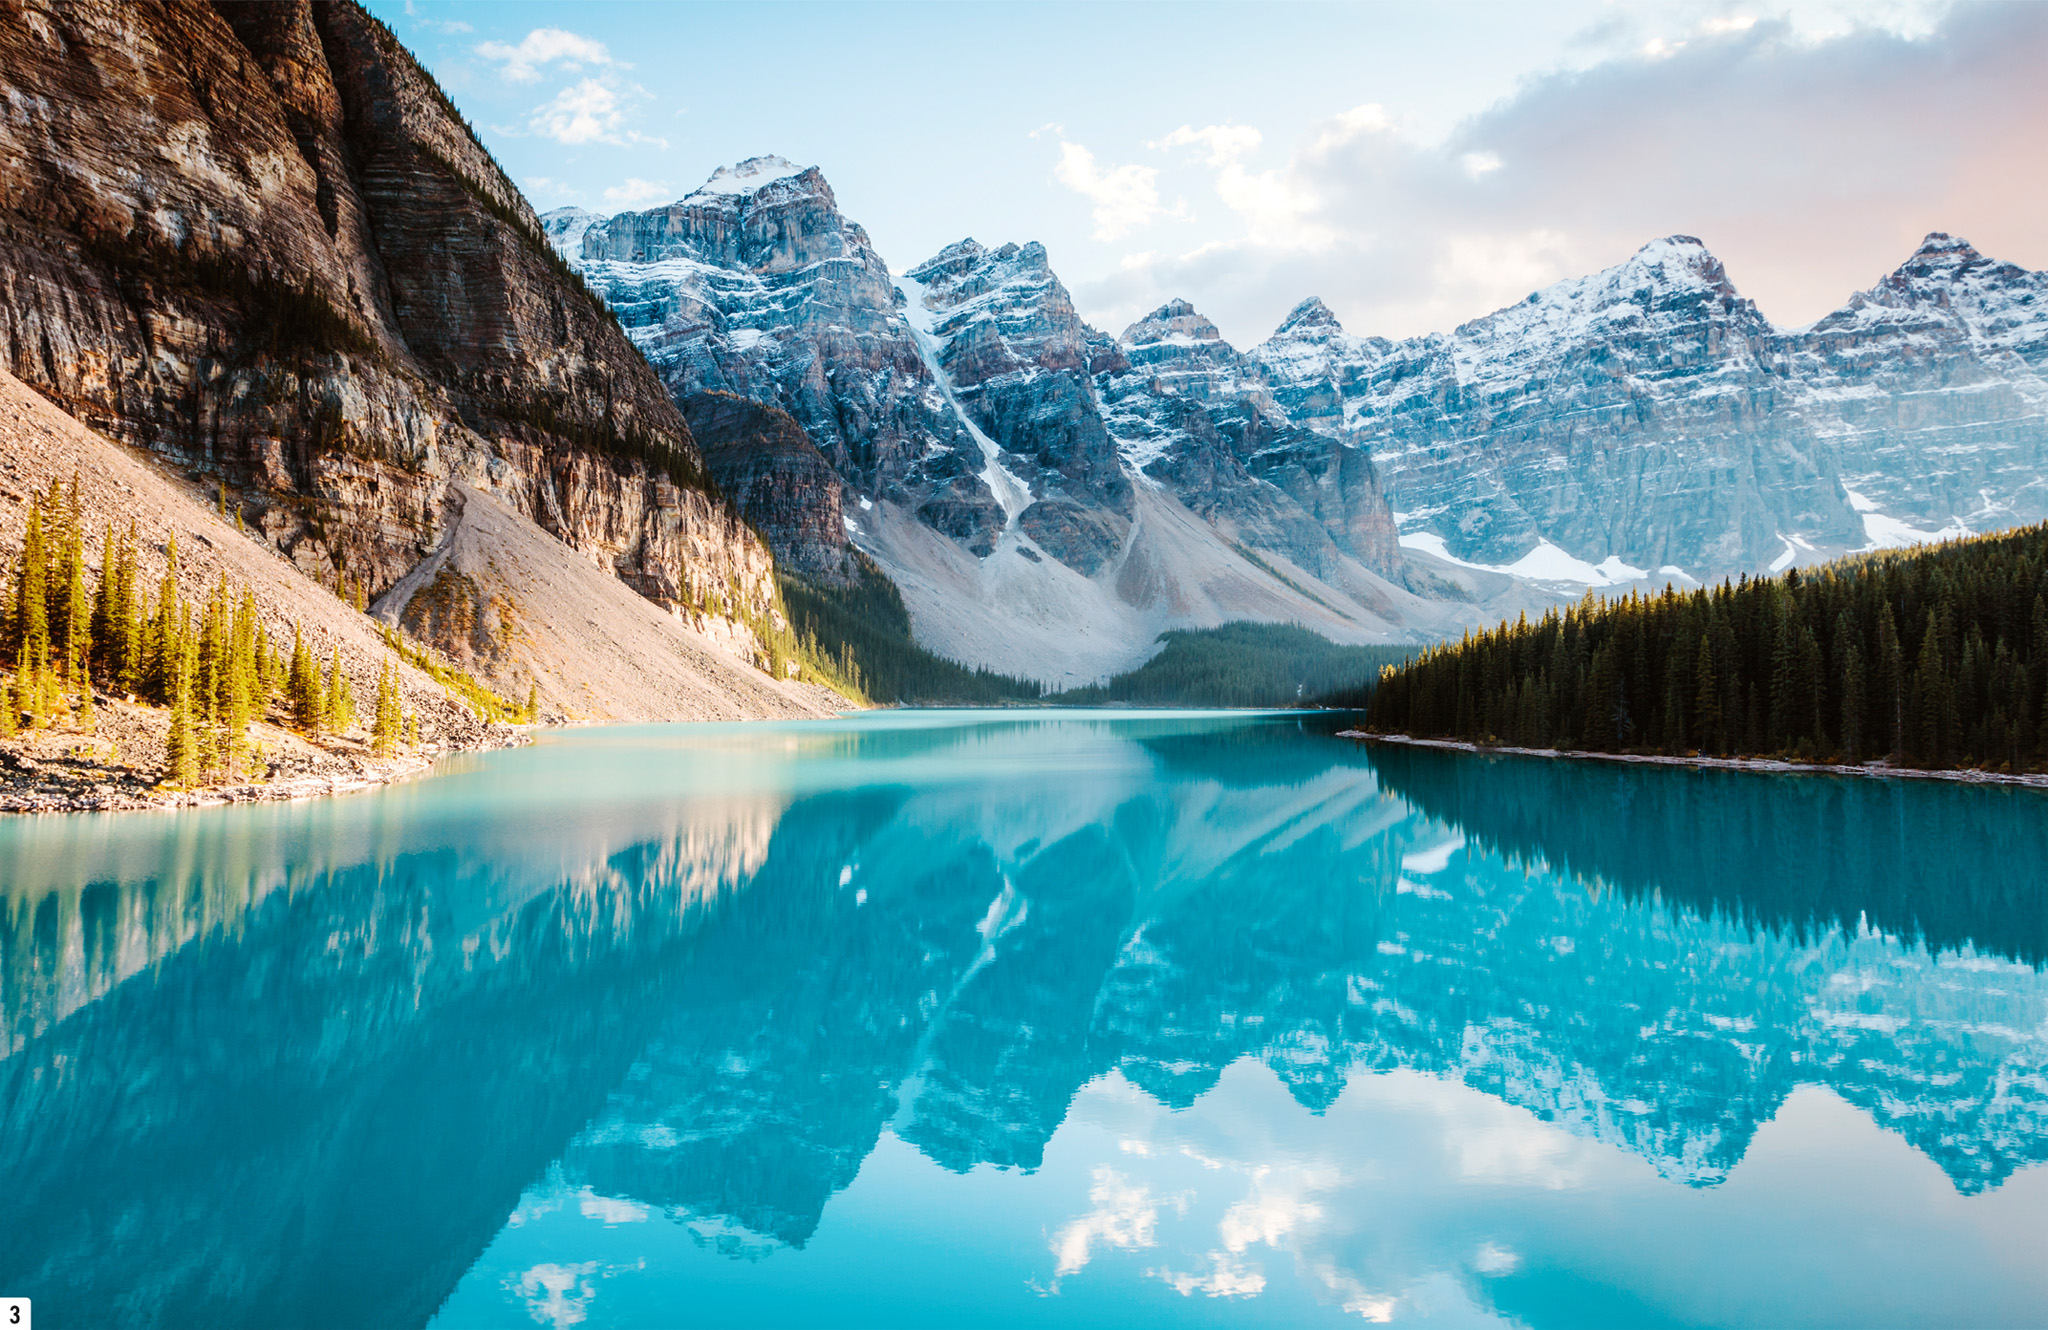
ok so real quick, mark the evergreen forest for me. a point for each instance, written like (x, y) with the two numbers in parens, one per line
(212, 664)
(1934, 658)
(863, 634)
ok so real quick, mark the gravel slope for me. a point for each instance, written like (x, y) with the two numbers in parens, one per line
(536, 613)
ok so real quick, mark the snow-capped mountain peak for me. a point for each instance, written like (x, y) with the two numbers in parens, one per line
(750, 176)
(1175, 322)
(1311, 364)
(1310, 316)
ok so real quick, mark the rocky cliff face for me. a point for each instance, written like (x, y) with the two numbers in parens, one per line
(258, 241)
(1930, 390)
(1189, 411)
(755, 285)
(1018, 358)
(1649, 421)
(764, 462)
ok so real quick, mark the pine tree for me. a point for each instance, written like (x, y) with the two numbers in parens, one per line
(1927, 705)
(1891, 684)
(532, 703)
(385, 726)
(125, 620)
(30, 631)
(339, 700)
(303, 693)
(161, 643)
(100, 660)
(1854, 703)
(1706, 701)
(74, 636)
(10, 708)
(40, 692)
(181, 760)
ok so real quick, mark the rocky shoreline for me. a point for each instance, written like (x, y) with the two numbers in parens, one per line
(2032, 780)
(75, 782)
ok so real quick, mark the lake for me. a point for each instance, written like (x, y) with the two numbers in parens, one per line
(1031, 1018)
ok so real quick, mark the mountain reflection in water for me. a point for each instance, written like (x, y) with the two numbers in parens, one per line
(298, 1065)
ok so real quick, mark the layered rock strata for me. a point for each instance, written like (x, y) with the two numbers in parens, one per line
(259, 242)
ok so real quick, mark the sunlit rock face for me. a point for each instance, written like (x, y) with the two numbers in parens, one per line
(258, 241)
(1652, 414)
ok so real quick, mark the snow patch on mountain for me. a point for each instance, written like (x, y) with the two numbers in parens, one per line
(1010, 491)
(1889, 533)
(1545, 563)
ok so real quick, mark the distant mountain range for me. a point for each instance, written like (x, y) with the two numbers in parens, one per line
(1049, 497)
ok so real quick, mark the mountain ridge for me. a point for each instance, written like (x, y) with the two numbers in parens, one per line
(1641, 424)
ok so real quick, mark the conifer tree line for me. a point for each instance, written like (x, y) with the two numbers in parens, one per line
(212, 664)
(1936, 658)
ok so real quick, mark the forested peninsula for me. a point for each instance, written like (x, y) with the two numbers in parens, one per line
(1935, 658)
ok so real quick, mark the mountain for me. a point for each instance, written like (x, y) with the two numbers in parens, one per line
(259, 243)
(1047, 498)
(1648, 422)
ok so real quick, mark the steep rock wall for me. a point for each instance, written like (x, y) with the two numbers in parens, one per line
(259, 242)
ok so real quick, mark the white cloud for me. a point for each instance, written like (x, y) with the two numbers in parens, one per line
(636, 191)
(1278, 206)
(592, 111)
(1226, 143)
(1811, 164)
(542, 47)
(1125, 197)
(611, 1210)
(1226, 1277)
(1479, 164)
(1346, 126)
(1125, 1215)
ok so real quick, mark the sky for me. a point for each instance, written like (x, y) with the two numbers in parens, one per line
(1413, 165)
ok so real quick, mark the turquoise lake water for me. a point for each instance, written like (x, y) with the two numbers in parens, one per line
(1021, 1019)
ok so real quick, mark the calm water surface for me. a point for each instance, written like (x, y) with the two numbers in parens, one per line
(1031, 1019)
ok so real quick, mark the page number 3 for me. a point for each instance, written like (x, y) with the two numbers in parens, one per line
(14, 1314)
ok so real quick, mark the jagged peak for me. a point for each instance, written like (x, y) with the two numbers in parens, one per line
(1174, 319)
(1941, 242)
(962, 256)
(1685, 256)
(1310, 315)
(750, 176)
(1940, 254)
(956, 257)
